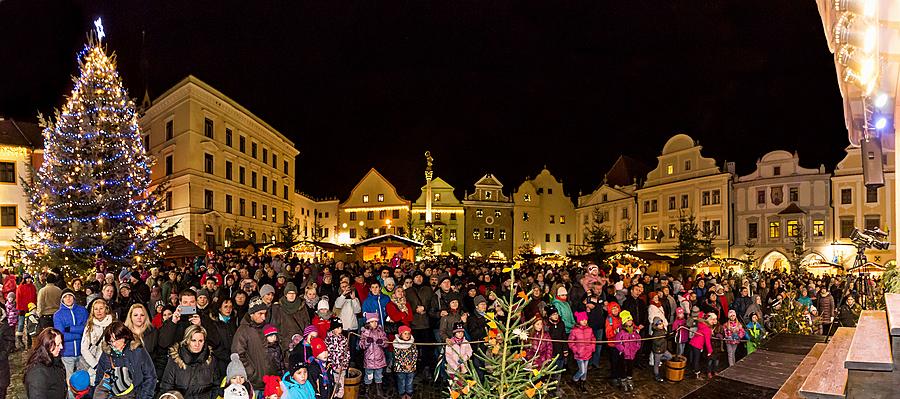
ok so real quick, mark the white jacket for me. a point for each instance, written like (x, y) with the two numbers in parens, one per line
(657, 311)
(91, 345)
(349, 308)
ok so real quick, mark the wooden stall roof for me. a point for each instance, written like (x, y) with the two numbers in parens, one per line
(180, 247)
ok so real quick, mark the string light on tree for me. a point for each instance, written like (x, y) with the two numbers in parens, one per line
(92, 193)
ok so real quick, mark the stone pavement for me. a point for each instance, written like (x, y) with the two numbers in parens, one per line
(597, 385)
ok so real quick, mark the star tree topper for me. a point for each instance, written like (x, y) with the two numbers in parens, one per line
(98, 24)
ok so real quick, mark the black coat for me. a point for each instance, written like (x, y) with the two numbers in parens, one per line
(638, 310)
(46, 382)
(190, 374)
(219, 336)
(323, 385)
(138, 362)
(557, 332)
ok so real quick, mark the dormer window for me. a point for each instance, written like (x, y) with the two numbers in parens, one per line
(437, 197)
(687, 165)
(487, 195)
(605, 198)
(527, 197)
(365, 198)
(776, 171)
(670, 169)
(380, 197)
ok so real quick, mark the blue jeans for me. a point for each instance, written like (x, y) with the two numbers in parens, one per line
(599, 335)
(404, 383)
(581, 374)
(71, 365)
(370, 373)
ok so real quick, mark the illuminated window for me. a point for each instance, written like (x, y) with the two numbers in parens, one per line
(437, 216)
(488, 233)
(527, 197)
(265, 214)
(793, 228)
(452, 235)
(437, 197)
(487, 195)
(476, 234)
(366, 198)
(562, 219)
(502, 235)
(380, 197)
(670, 169)
(818, 228)
(552, 219)
(253, 209)
(479, 213)
(774, 229)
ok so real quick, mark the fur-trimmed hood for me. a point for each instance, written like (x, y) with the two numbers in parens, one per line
(179, 352)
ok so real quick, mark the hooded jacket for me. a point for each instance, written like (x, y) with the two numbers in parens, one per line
(191, 374)
(295, 390)
(138, 362)
(613, 323)
(702, 339)
(374, 351)
(631, 345)
(541, 349)
(582, 350)
(71, 321)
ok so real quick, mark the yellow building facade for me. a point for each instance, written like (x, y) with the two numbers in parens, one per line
(373, 208)
(230, 174)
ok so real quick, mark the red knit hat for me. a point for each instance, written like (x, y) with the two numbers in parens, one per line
(273, 386)
(270, 330)
(318, 346)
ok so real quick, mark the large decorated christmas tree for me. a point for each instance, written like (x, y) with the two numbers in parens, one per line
(91, 200)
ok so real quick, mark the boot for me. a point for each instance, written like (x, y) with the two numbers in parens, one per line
(658, 378)
(630, 384)
(581, 387)
(616, 382)
(380, 390)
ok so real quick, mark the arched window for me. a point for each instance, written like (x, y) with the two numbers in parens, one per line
(229, 237)
(251, 236)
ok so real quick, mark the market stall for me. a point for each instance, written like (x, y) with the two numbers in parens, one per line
(386, 247)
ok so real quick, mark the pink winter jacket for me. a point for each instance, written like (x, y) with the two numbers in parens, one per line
(681, 336)
(457, 354)
(541, 350)
(582, 351)
(374, 355)
(629, 348)
(703, 338)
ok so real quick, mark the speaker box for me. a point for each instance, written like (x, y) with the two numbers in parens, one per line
(872, 162)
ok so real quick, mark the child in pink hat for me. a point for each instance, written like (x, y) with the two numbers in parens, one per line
(581, 342)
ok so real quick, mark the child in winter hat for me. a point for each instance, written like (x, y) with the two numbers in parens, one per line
(80, 383)
(236, 375)
(273, 348)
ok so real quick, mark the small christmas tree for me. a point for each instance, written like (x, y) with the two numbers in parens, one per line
(91, 199)
(508, 373)
(791, 317)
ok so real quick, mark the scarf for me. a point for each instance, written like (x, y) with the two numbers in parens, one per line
(224, 319)
(400, 343)
(312, 303)
(290, 307)
(401, 303)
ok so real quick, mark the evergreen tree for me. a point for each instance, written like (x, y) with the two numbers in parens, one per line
(598, 235)
(507, 370)
(91, 199)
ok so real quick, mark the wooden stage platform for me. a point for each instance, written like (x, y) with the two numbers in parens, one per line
(762, 373)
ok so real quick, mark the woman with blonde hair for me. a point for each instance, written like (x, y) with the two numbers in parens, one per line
(191, 367)
(138, 321)
(99, 317)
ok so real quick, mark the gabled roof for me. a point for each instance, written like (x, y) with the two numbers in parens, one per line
(791, 209)
(625, 170)
(373, 172)
(24, 134)
(180, 247)
(488, 180)
(389, 237)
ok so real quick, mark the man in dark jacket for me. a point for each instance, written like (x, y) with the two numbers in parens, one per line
(140, 292)
(173, 329)
(250, 343)
(638, 309)
(419, 297)
(742, 303)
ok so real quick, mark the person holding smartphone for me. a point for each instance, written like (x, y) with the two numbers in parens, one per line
(185, 315)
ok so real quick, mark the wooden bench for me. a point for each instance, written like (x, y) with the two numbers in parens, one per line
(828, 378)
(893, 312)
(791, 387)
(870, 349)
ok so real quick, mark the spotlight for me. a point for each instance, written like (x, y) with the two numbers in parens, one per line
(861, 7)
(880, 123)
(859, 69)
(881, 100)
(856, 32)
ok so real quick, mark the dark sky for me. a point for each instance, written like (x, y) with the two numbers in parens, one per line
(488, 86)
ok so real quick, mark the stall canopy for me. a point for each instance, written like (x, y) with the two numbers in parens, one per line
(386, 246)
(180, 247)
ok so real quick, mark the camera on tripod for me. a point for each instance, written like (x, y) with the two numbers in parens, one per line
(873, 238)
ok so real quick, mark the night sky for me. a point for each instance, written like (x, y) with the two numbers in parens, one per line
(488, 86)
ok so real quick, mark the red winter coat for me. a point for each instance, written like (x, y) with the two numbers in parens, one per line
(703, 338)
(582, 350)
(25, 294)
(397, 316)
(9, 285)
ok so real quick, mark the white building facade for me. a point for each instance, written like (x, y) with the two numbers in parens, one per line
(544, 216)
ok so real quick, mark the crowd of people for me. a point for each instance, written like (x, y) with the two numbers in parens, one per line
(252, 326)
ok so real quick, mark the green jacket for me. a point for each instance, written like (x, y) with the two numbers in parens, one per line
(565, 313)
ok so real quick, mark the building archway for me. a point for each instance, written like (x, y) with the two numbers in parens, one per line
(210, 237)
(775, 260)
(229, 237)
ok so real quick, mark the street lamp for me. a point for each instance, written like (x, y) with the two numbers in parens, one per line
(387, 224)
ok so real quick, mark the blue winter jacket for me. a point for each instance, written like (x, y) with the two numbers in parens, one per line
(71, 322)
(376, 304)
(139, 364)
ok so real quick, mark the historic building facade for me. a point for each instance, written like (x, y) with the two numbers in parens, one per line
(684, 183)
(21, 149)
(317, 219)
(613, 205)
(230, 174)
(448, 218)
(783, 213)
(855, 206)
(373, 208)
(488, 221)
(544, 216)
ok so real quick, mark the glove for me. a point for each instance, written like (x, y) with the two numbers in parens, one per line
(369, 340)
